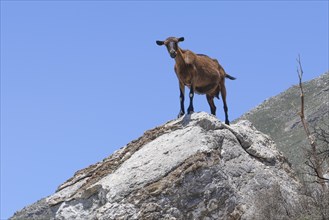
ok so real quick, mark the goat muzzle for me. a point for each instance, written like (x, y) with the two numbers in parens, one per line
(173, 54)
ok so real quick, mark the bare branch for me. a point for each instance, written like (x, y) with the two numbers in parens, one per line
(313, 159)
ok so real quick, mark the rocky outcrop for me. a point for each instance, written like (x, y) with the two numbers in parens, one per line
(194, 167)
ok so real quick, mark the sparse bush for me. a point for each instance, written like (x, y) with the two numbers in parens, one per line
(315, 203)
(272, 205)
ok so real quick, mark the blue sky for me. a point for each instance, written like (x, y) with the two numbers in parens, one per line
(80, 79)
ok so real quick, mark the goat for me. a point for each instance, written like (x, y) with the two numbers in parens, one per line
(200, 73)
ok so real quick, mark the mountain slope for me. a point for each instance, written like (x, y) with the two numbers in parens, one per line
(278, 116)
(190, 168)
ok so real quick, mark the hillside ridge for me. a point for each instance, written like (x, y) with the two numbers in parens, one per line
(278, 116)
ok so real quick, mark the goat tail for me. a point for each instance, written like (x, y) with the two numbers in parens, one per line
(230, 77)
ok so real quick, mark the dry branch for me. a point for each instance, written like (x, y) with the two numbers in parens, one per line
(314, 161)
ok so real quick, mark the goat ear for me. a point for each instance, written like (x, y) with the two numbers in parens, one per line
(159, 42)
(180, 39)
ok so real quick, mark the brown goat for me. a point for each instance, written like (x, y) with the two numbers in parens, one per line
(200, 73)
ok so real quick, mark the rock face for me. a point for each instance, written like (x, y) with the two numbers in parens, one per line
(194, 167)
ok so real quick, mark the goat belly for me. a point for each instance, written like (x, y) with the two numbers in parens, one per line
(205, 89)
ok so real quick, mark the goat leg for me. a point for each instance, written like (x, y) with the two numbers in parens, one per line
(223, 92)
(226, 115)
(190, 109)
(211, 103)
(181, 99)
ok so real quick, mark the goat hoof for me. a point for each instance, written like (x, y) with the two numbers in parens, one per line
(190, 112)
(227, 122)
(180, 114)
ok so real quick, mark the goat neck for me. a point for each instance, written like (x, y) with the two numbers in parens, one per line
(179, 57)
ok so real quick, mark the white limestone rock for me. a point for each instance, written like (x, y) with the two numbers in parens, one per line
(194, 167)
